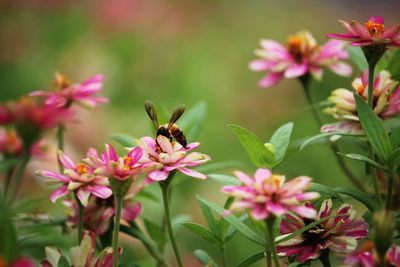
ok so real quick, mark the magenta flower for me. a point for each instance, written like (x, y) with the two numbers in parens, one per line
(339, 234)
(267, 194)
(122, 168)
(10, 143)
(372, 32)
(80, 178)
(300, 56)
(171, 156)
(366, 256)
(386, 102)
(65, 93)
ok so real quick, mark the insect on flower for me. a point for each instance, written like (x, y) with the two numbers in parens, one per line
(169, 130)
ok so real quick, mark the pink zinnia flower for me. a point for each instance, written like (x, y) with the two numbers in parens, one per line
(372, 32)
(366, 256)
(122, 168)
(339, 234)
(10, 143)
(300, 56)
(171, 156)
(267, 194)
(78, 177)
(65, 93)
(386, 102)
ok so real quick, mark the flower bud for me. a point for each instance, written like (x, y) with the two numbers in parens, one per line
(384, 226)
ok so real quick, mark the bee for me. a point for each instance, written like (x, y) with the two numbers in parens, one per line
(169, 130)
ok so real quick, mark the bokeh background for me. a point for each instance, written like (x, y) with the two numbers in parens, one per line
(175, 52)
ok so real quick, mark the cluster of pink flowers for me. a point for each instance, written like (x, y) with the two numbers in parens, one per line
(386, 102)
(267, 194)
(300, 57)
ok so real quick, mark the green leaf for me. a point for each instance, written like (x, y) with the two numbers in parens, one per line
(255, 148)
(252, 259)
(373, 129)
(231, 231)
(208, 215)
(365, 199)
(317, 138)
(7, 163)
(325, 190)
(123, 139)
(192, 120)
(234, 221)
(63, 262)
(202, 231)
(8, 243)
(156, 232)
(280, 141)
(357, 56)
(364, 159)
(204, 258)
(394, 65)
(216, 166)
(395, 138)
(224, 179)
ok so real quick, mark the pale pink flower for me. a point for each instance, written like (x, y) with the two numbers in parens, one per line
(80, 178)
(339, 234)
(172, 157)
(10, 143)
(267, 194)
(372, 32)
(122, 168)
(386, 102)
(365, 256)
(65, 93)
(300, 56)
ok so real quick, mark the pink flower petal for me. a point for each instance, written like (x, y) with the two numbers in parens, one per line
(343, 36)
(192, 173)
(60, 192)
(361, 30)
(131, 212)
(66, 161)
(165, 144)
(135, 154)
(295, 70)
(54, 175)
(377, 19)
(100, 191)
(247, 180)
(340, 68)
(83, 196)
(261, 175)
(111, 152)
(392, 32)
(270, 79)
(158, 175)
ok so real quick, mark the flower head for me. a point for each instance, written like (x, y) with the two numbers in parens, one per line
(10, 143)
(267, 194)
(372, 32)
(78, 177)
(299, 57)
(65, 93)
(171, 156)
(338, 234)
(386, 102)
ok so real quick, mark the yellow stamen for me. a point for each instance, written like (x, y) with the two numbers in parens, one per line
(61, 81)
(127, 161)
(375, 29)
(81, 168)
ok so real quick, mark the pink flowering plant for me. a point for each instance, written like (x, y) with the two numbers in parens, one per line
(119, 199)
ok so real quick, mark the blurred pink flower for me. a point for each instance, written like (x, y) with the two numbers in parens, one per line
(386, 102)
(267, 194)
(65, 93)
(122, 168)
(300, 56)
(80, 178)
(171, 156)
(372, 32)
(10, 143)
(21, 262)
(339, 234)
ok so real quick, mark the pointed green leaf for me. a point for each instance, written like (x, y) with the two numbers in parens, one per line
(224, 179)
(394, 65)
(324, 190)
(123, 139)
(364, 198)
(357, 56)
(255, 148)
(209, 216)
(395, 138)
(63, 262)
(373, 129)
(204, 258)
(280, 141)
(317, 138)
(364, 159)
(202, 231)
(252, 259)
(234, 221)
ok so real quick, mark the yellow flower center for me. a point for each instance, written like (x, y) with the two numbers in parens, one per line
(61, 81)
(301, 45)
(375, 29)
(127, 161)
(81, 168)
(360, 89)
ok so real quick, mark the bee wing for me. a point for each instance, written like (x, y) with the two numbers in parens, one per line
(176, 115)
(151, 111)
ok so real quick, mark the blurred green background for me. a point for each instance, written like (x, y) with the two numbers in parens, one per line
(175, 52)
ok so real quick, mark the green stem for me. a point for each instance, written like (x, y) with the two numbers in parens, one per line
(371, 70)
(270, 222)
(137, 233)
(164, 189)
(305, 81)
(117, 220)
(15, 183)
(60, 144)
(7, 179)
(80, 217)
(268, 257)
(375, 177)
(223, 255)
(324, 258)
(389, 191)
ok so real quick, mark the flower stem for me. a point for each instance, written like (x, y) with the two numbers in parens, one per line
(223, 255)
(60, 144)
(80, 218)
(305, 81)
(389, 192)
(117, 219)
(270, 222)
(15, 183)
(375, 177)
(164, 189)
(324, 258)
(371, 70)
